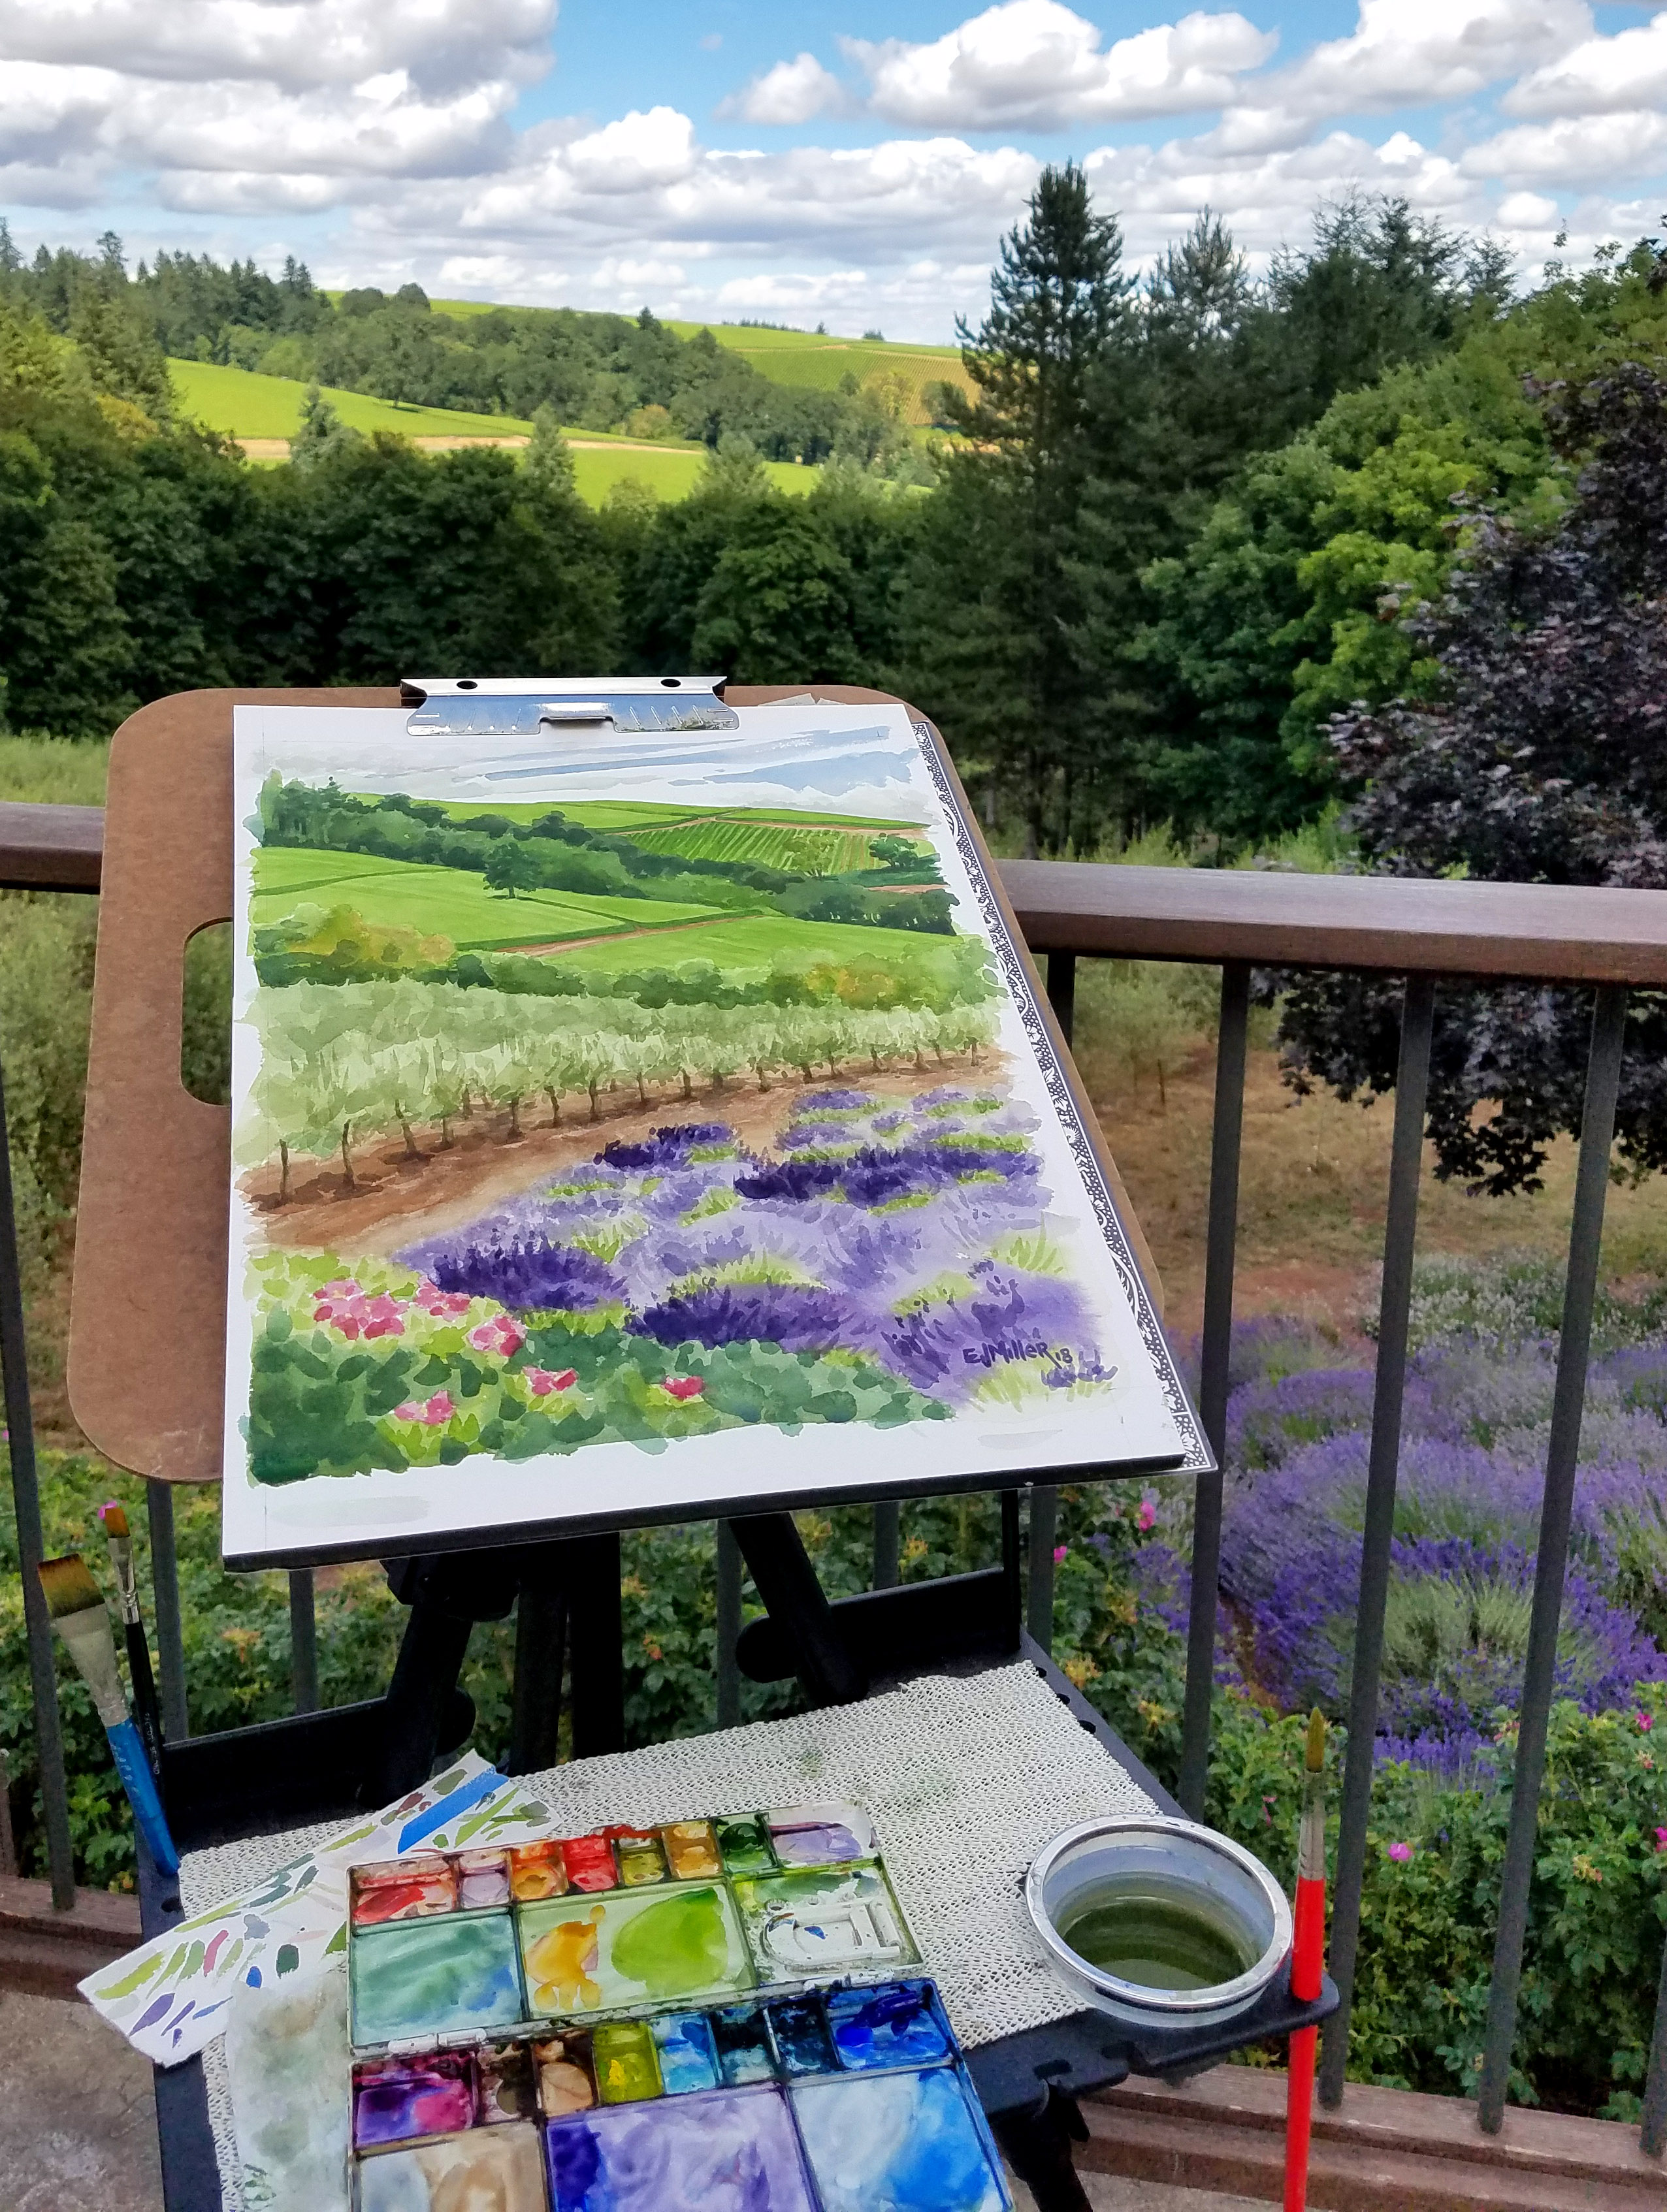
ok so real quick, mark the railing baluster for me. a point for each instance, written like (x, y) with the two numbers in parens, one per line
(888, 1543)
(1653, 2133)
(1039, 1604)
(1609, 1024)
(1063, 990)
(26, 1496)
(729, 1626)
(1412, 1082)
(1213, 1358)
(165, 1591)
(303, 1641)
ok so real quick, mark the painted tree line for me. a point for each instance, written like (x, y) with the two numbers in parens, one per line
(342, 1064)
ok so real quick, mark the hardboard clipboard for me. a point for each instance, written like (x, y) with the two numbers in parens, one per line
(146, 1372)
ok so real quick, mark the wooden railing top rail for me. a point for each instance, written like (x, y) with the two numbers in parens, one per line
(1550, 931)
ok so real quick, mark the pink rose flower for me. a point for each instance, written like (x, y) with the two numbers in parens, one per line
(1147, 1514)
(351, 1313)
(683, 1386)
(444, 1305)
(502, 1335)
(1400, 1853)
(433, 1413)
(541, 1382)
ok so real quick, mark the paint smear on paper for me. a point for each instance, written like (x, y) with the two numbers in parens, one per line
(493, 2170)
(287, 2062)
(907, 2143)
(434, 1977)
(729, 2153)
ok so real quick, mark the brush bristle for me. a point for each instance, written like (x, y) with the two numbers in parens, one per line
(114, 1519)
(68, 1586)
(1316, 1754)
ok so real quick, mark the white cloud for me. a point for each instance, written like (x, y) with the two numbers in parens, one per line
(1035, 65)
(295, 44)
(1584, 149)
(1598, 76)
(792, 92)
(1528, 211)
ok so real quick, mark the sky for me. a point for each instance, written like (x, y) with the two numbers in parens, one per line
(852, 162)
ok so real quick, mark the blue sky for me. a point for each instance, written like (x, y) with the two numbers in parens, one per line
(847, 162)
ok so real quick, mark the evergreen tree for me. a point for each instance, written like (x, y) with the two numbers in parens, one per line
(995, 601)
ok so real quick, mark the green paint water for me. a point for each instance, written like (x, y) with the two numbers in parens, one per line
(677, 1946)
(1156, 1933)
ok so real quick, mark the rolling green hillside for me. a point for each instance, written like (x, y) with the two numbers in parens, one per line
(244, 405)
(448, 901)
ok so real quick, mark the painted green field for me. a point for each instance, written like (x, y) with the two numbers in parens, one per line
(815, 851)
(756, 946)
(444, 902)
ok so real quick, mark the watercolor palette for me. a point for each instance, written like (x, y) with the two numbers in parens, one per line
(820, 2101)
(462, 1944)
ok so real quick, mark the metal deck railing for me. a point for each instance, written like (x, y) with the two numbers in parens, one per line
(1610, 940)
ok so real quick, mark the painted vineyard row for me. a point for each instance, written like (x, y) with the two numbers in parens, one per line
(342, 1063)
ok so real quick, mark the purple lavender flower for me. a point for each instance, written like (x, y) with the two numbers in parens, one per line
(529, 1276)
(797, 1318)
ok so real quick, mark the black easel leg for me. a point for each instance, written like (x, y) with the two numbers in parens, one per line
(424, 1678)
(595, 1627)
(1036, 2145)
(540, 1646)
(795, 1600)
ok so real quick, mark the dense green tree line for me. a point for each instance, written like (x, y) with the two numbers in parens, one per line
(596, 371)
(1172, 543)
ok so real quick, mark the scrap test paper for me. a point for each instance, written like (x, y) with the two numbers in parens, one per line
(627, 1109)
(641, 2021)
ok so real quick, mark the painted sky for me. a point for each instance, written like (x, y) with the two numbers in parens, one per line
(843, 761)
(849, 161)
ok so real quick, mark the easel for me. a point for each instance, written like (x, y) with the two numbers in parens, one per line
(146, 1380)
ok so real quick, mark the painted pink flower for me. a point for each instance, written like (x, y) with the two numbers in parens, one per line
(1646, 1721)
(683, 1386)
(502, 1333)
(433, 1412)
(352, 1314)
(1400, 1853)
(1060, 1551)
(540, 1381)
(443, 1305)
(1147, 1514)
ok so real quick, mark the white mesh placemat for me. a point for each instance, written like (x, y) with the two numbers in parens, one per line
(966, 1776)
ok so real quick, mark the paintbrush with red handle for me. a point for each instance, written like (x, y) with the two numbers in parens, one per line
(1307, 1965)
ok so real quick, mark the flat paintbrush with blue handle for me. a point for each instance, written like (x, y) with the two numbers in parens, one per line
(82, 1620)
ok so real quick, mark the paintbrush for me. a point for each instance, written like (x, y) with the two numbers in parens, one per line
(146, 1711)
(82, 1620)
(1307, 1964)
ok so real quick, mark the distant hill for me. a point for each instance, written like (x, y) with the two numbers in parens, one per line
(264, 412)
(805, 358)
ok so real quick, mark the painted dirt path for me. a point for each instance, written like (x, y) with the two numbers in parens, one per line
(397, 1199)
(616, 936)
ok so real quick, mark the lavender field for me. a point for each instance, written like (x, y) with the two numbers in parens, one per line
(889, 1261)
(1472, 1463)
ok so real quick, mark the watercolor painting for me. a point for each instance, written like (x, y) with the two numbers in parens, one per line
(588, 1954)
(624, 1117)
(909, 2142)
